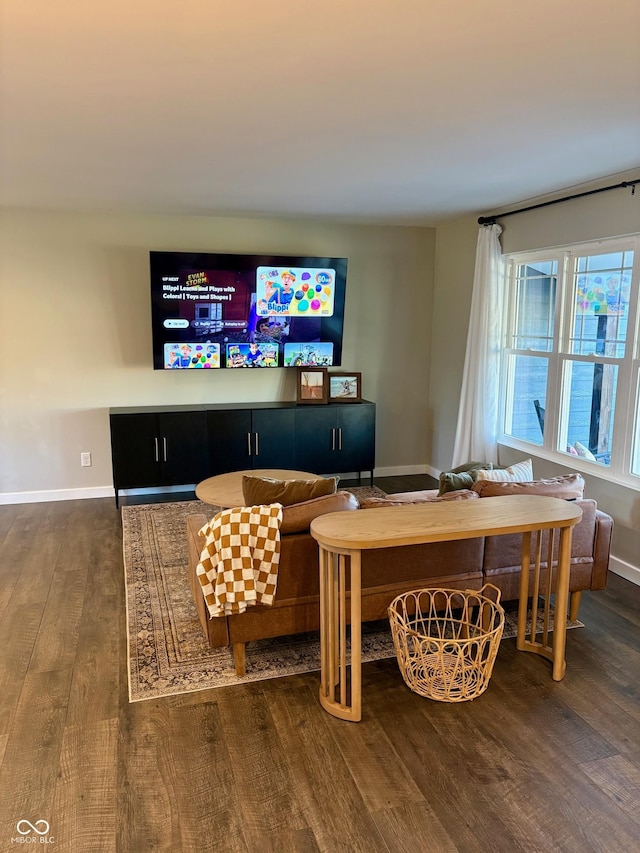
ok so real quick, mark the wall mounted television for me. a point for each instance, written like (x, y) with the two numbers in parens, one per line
(230, 311)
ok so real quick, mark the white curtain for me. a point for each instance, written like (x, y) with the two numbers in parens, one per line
(477, 430)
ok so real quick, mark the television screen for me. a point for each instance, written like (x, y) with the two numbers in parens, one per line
(217, 311)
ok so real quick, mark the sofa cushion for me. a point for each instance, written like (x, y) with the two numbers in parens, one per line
(520, 472)
(401, 499)
(266, 490)
(296, 518)
(462, 477)
(569, 487)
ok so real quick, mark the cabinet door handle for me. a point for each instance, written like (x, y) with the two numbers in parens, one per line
(164, 448)
(155, 441)
(333, 439)
(257, 445)
(340, 438)
(248, 444)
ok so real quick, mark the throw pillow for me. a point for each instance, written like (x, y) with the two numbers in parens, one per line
(265, 490)
(462, 477)
(569, 487)
(521, 472)
(584, 452)
(296, 518)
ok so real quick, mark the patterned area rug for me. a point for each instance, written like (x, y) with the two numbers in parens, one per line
(167, 651)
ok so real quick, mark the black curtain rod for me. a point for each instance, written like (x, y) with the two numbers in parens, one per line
(490, 220)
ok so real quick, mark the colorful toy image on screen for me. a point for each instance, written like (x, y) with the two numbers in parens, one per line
(252, 355)
(191, 355)
(203, 300)
(308, 355)
(295, 291)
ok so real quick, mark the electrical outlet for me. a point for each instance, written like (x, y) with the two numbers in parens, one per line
(85, 460)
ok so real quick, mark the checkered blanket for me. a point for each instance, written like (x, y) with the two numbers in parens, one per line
(238, 565)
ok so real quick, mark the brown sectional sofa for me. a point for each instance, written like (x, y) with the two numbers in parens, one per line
(388, 572)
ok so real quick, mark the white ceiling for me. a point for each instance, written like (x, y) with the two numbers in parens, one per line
(406, 111)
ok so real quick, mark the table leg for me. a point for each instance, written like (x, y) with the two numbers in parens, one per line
(324, 558)
(561, 603)
(356, 641)
(556, 652)
(524, 590)
(336, 665)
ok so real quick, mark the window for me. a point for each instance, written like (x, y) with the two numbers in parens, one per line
(571, 377)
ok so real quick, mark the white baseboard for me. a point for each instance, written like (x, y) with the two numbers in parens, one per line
(56, 495)
(625, 570)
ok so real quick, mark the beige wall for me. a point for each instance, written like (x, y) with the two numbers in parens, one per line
(75, 328)
(606, 214)
(455, 261)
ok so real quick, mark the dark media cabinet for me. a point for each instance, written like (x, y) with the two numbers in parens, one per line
(181, 445)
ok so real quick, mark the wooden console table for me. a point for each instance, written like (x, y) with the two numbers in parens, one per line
(342, 536)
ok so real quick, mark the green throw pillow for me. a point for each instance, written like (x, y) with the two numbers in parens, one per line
(462, 477)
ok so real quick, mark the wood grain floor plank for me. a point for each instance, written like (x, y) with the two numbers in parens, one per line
(613, 600)
(38, 565)
(18, 633)
(457, 775)
(513, 776)
(576, 801)
(146, 808)
(528, 688)
(100, 666)
(20, 533)
(381, 777)
(84, 802)
(105, 558)
(259, 766)
(322, 778)
(412, 827)
(619, 779)
(56, 645)
(485, 772)
(8, 515)
(31, 758)
(208, 798)
(99, 673)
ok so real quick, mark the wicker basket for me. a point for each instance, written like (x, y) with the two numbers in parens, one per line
(446, 640)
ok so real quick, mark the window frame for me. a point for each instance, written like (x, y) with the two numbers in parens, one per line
(561, 356)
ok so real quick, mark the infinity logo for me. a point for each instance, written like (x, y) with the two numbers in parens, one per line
(32, 828)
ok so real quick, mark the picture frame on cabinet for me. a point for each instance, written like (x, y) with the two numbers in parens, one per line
(345, 387)
(312, 385)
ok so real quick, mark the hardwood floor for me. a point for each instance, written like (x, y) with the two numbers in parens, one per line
(532, 765)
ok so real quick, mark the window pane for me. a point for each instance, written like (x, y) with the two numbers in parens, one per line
(591, 395)
(535, 305)
(525, 408)
(601, 304)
